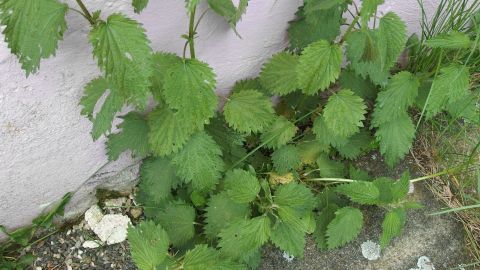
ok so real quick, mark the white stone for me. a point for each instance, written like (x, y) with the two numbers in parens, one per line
(112, 229)
(288, 257)
(370, 250)
(90, 244)
(93, 216)
(411, 188)
(117, 202)
(424, 263)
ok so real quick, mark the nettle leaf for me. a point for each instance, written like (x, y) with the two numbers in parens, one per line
(399, 95)
(345, 227)
(250, 84)
(157, 178)
(279, 133)
(227, 9)
(230, 141)
(361, 87)
(244, 237)
(465, 107)
(33, 29)
(392, 226)
(278, 74)
(189, 87)
(113, 103)
(123, 53)
(288, 238)
(249, 111)
(178, 219)
(400, 188)
(450, 85)
(452, 40)
(139, 5)
(358, 174)
(355, 145)
(314, 5)
(392, 37)
(344, 113)
(241, 186)
(360, 192)
(221, 212)
(324, 136)
(149, 244)
(314, 26)
(295, 203)
(134, 137)
(369, 8)
(324, 218)
(200, 162)
(162, 62)
(330, 168)
(203, 257)
(310, 148)
(286, 159)
(168, 133)
(396, 138)
(319, 66)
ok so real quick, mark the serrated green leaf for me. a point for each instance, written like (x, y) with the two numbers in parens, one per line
(20, 236)
(278, 74)
(203, 257)
(452, 40)
(384, 185)
(157, 178)
(369, 8)
(241, 186)
(133, 136)
(221, 212)
(33, 29)
(330, 168)
(200, 162)
(123, 53)
(279, 133)
(358, 174)
(318, 67)
(162, 62)
(399, 95)
(190, 88)
(449, 86)
(360, 86)
(310, 148)
(324, 136)
(286, 159)
(224, 8)
(288, 239)
(244, 236)
(149, 245)
(392, 37)
(93, 91)
(324, 218)
(168, 133)
(355, 145)
(344, 113)
(345, 227)
(248, 111)
(102, 123)
(392, 226)
(139, 5)
(295, 203)
(230, 141)
(465, 107)
(360, 192)
(314, 26)
(396, 138)
(250, 84)
(315, 5)
(400, 188)
(178, 219)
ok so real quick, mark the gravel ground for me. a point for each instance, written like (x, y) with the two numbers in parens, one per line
(64, 251)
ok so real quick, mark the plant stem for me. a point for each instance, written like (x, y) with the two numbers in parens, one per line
(86, 13)
(191, 33)
(350, 29)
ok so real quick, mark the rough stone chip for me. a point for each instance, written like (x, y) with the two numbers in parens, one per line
(370, 250)
(112, 229)
(93, 216)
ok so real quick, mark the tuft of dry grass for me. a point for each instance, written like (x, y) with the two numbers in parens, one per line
(438, 148)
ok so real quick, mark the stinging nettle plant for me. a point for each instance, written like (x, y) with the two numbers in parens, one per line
(217, 186)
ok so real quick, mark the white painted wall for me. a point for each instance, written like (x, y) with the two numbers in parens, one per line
(45, 145)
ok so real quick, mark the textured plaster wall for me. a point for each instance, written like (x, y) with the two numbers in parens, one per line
(45, 145)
